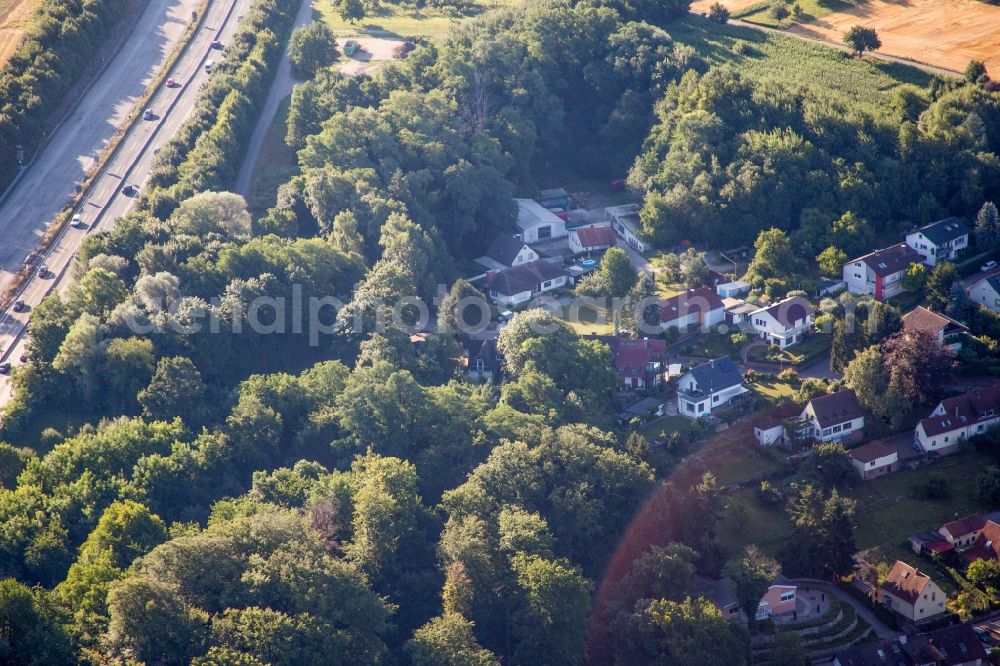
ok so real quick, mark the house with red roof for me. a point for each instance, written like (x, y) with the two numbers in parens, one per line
(591, 239)
(963, 532)
(948, 332)
(700, 307)
(639, 362)
(911, 593)
(880, 273)
(958, 418)
(986, 546)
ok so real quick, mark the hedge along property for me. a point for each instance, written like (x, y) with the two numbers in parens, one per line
(45, 67)
(206, 152)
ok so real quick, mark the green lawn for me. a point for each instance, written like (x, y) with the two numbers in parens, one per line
(661, 427)
(590, 321)
(811, 10)
(888, 512)
(712, 345)
(804, 352)
(826, 71)
(773, 389)
(404, 20)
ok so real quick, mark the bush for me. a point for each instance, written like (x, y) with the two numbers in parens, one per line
(311, 48)
(779, 11)
(718, 13)
(789, 376)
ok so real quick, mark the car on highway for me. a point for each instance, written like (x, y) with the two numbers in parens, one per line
(43, 271)
(77, 221)
(209, 64)
(148, 114)
(5, 368)
(129, 190)
(216, 44)
(19, 306)
(171, 83)
(988, 266)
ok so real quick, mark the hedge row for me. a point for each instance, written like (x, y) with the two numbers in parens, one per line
(207, 150)
(47, 64)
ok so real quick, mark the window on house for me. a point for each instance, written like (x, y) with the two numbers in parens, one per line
(787, 596)
(826, 431)
(837, 428)
(715, 398)
(871, 464)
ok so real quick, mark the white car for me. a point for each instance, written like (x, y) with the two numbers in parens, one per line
(988, 266)
(77, 221)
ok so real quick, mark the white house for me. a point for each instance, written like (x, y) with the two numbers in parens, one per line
(984, 289)
(517, 285)
(958, 418)
(591, 239)
(708, 387)
(701, 307)
(537, 222)
(874, 459)
(880, 273)
(835, 417)
(941, 240)
(769, 434)
(507, 251)
(625, 221)
(784, 323)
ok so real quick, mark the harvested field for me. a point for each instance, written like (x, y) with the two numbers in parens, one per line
(943, 33)
(14, 18)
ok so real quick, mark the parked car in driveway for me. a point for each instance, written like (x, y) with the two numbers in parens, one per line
(988, 266)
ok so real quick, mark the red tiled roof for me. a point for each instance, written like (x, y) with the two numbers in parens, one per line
(690, 302)
(905, 581)
(987, 546)
(939, 546)
(596, 236)
(873, 451)
(964, 410)
(963, 526)
(922, 319)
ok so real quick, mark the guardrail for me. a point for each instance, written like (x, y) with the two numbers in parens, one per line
(58, 226)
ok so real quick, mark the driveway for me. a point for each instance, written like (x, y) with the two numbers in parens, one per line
(881, 628)
(820, 368)
(640, 262)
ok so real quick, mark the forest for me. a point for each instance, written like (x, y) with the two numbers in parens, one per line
(188, 480)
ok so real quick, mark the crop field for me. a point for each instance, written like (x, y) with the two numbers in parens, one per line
(942, 33)
(14, 18)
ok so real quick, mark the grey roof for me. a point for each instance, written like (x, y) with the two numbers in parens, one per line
(835, 408)
(945, 230)
(717, 375)
(720, 592)
(525, 277)
(642, 407)
(950, 646)
(504, 249)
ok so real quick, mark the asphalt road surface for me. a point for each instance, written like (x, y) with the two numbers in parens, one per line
(106, 201)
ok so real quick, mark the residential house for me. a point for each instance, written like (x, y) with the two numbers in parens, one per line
(963, 532)
(956, 645)
(737, 311)
(482, 360)
(939, 241)
(911, 593)
(778, 600)
(784, 323)
(880, 273)
(591, 239)
(710, 386)
(507, 252)
(984, 289)
(987, 544)
(643, 410)
(958, 418)
(875, 459)
(947, 331)
(537, 222)
(625, 221)
(836, 417)
(639, 362)
(701, 307)
(517, 285)
(825, 286)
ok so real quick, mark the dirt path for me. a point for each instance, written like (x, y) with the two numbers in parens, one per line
(14, 17)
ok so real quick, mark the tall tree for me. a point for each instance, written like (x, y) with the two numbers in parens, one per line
(988, 228)
(918, 364)
(752, 572)
(862, 39)
(831, 261)
(939, 285)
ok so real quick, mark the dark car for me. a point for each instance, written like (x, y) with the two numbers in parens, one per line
(148, 114)
(171, 83)
(24, 358)
(19, 306)
(4, 368)
(43, 271)
(216, 44)
(129, 190)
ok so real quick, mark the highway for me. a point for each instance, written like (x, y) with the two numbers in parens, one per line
(131, 164)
